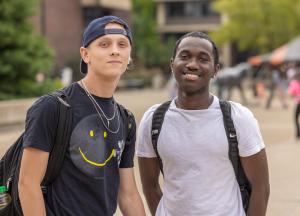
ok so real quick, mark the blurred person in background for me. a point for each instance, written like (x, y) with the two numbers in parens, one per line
(278, 82)
(294, 90)
(291, 70)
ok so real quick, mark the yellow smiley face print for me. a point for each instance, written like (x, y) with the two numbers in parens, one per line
(92, 148)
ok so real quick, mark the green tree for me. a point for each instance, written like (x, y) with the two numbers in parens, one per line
(258, 25)
(149, 49)
(24, 53)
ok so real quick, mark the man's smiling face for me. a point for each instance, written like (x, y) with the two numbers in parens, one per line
(193, 65)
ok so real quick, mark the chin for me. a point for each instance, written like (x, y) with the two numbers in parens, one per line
(112, 72)
(193, 90)
(116, 70)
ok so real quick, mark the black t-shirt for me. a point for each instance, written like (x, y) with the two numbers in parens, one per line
(89, 180)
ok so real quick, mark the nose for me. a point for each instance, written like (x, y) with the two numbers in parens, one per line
(115, 50)
(192, 64)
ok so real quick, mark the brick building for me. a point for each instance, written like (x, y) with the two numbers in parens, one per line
(63, 22)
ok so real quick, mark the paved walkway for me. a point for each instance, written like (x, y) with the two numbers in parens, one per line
(277, 129)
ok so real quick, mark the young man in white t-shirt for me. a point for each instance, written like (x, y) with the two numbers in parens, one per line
(198, 176)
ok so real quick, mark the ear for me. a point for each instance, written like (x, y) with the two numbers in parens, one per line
(171, 64)
(130, 64)
(217, 68)
(84, 54)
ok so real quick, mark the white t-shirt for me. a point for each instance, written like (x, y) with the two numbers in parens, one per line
(199, 179)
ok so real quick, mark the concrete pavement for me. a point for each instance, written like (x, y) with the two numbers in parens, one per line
(284, 164)
(277, 128)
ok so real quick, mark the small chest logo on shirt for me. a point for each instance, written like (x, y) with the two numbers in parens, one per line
(231, 135)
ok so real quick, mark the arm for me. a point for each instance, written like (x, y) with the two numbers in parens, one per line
(256, 170)
(149, 171)
(33, 167)
(129, 200)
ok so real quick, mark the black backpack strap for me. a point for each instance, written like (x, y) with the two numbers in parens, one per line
(234, 151)
(129, 124)
(231, 135)
(63, 132)
(157, 121)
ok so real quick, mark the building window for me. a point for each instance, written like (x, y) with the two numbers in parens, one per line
(194, 9)
(90, 13)
(175, 9)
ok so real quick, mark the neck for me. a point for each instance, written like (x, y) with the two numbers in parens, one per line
(99, 86)
(194, 102)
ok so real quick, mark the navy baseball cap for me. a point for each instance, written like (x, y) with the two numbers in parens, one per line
(96, 29)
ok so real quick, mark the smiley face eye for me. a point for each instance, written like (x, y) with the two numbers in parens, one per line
(91, 133)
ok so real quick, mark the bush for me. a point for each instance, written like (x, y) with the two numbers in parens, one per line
(24, 53)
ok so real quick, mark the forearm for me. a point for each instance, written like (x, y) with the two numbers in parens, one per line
(258, 201)
(132, 205)
(149, 172)
(153, 197)
(32, 200)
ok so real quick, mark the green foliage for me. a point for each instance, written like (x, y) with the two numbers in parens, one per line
(149, 50)
(23, 52)
(258, 25)
(33, 89)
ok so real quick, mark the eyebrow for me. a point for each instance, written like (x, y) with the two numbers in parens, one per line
(183, 51)
(200, 53)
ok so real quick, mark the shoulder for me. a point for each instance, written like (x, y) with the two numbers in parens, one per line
(238, 111)
(144, 139)
(146, 120)
(243, 118)
(149, 113)
(123, 108)
(50, 100)
(45, 102)
(41, 123)
(248, 132)
(126, 113)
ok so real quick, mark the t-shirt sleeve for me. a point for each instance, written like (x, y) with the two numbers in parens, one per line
(249, 137)
(144, 142)
(128, 152)
(41, 123)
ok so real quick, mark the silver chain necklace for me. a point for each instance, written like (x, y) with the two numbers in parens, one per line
(97, 108)
(95, 102)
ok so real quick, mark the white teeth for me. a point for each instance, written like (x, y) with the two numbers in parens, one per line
(191, 76)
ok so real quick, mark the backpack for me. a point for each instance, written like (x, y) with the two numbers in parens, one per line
(244, 184)
(10, 162)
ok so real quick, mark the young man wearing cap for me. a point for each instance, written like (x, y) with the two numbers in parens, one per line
(98, 166)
